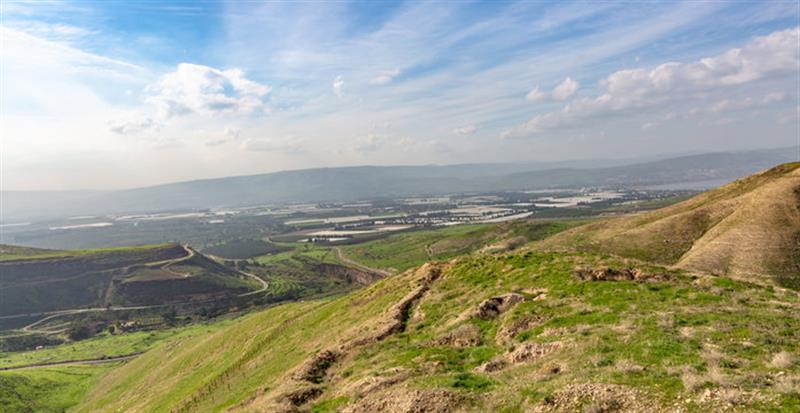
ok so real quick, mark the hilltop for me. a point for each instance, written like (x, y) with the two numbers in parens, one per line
(511, 331)
(749, 229)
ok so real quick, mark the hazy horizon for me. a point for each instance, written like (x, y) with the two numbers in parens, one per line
(95, 98)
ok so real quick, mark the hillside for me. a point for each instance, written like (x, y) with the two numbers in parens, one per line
(525, 330)
(34, 281)
(511, 332)
(747, 229)
(371, 182)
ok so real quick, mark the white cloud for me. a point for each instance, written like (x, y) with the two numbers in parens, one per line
(565, 89)
(791, 116)
(288, 145)
(387, 76)
(338, 86)
(465, 130)
(135, 127)
(536, 95)
(205, 90)
(628, 91)
(51, 31)
(370, 143)
(228, 135)
(729, 105)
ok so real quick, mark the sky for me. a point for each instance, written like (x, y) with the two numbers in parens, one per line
(118, 94)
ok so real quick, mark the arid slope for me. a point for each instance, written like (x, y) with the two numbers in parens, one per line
(748, 229)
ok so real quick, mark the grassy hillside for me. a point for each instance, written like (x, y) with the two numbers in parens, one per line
(594, 319)
(520, 331)
(747, 229)
(48, 390)
(403, 251)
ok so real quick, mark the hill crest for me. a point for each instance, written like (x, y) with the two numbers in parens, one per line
(749, 229)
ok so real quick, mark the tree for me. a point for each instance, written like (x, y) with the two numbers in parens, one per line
(170, 316)
(80, 331)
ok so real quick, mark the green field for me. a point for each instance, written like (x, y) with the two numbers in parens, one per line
(242, 248)
(13, 253)
(402, 251)
(48, 390)
(105, 345)
(57, 388)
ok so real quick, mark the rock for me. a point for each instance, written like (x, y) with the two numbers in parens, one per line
(495, 306)
(614, 274)
(531, 351)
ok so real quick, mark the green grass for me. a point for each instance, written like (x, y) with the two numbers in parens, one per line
(406, 250)
(22, 253)
(643, 335)
(48, 390)
(106, 345)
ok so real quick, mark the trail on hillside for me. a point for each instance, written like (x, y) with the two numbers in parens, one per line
(340, 255)
(112, 359)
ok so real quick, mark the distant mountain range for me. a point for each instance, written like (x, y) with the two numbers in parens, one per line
(362, 182)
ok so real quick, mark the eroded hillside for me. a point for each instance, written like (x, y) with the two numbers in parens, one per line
(523, 331)
(749, 229)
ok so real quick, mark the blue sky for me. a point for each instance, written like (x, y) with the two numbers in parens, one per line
(117, 94)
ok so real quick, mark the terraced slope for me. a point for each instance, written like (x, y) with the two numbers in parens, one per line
(42, 281)
(749, 229)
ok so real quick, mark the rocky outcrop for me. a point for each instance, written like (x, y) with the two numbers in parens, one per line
(614, 274)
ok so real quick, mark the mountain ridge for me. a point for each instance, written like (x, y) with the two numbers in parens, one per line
(748, 228)
(371, 182)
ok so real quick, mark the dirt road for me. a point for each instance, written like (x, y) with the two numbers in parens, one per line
(112, 359)
(340, 255)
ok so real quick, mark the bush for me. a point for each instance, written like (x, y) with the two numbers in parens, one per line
(80, 331)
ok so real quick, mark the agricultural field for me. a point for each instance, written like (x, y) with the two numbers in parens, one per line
(242, 248)
(402, 251)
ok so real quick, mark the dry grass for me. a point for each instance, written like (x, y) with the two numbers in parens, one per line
(693, 381)
(788, 384)
(782, 360)
(745, 229)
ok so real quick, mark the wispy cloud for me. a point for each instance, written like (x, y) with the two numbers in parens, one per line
(434, 72)
(562, 91)
(338, 86)
(288, 145)
(465, 130)
(631, 90)
(386, 76)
